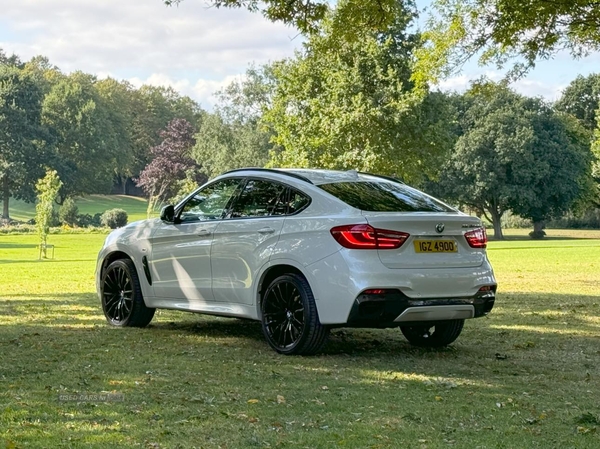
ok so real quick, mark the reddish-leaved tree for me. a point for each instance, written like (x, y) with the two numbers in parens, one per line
(171, 163)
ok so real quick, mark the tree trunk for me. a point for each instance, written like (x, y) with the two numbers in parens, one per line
(5, 196)
(496, 221)
(125, 179)
(538, 230)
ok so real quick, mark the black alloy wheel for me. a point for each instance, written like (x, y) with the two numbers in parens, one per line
(122, 300)
(433, 335)
(289, 317)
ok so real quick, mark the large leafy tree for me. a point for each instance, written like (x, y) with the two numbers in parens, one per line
(515, 153)
(84, 145)
(496, 31)
(22, 136)
(350, 105)
(581, 99)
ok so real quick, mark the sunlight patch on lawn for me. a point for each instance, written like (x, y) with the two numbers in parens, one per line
(374, 376)
(549, 330)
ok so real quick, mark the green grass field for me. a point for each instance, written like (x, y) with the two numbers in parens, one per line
(526, 376)
(91, 204)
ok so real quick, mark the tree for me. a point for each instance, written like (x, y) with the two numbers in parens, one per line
(22, 137)
(84, 145)
(581, 99)
(171, 163)
(350, 105)
(152, 108)
(497, 31)
(235, 135)
(47, 188)
(117, 99)
(222, 145)
(515, 153)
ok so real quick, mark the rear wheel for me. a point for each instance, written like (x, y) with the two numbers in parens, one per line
(122, 300)
(435, 335)
(290, 321)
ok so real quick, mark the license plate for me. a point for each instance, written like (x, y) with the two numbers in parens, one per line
(435, 246)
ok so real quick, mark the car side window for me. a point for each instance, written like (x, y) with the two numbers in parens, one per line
(290, 202)
(258, 198)
(210, 202)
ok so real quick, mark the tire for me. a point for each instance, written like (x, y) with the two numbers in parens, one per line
(434, 335)
(290, 321)
(122, 301)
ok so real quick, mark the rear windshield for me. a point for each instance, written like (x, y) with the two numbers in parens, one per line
(384, 197)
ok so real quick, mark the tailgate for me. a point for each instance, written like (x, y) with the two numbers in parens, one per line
(436, 239)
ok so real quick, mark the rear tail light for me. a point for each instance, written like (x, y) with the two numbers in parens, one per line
(374, 291)
(477, 238)
(367, 237)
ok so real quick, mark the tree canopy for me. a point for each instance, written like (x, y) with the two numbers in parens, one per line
(581, 98)
(354, 17)
(22, 137)
(171, 162)
(515, 153)
(496, 31)
(349, 104)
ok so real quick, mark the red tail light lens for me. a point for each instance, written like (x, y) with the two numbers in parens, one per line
(477, 238)
(367, 237)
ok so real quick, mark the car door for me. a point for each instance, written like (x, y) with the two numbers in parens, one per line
(180, 257)
(244, 241)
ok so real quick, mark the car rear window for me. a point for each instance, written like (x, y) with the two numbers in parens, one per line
(384, 196)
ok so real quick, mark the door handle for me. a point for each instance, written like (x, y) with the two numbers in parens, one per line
(266, 230)
(203, 233)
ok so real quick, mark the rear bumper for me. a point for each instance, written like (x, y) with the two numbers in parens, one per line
(339, 280)
(393, 308)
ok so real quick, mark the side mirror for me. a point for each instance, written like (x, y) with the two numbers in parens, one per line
(167, 214)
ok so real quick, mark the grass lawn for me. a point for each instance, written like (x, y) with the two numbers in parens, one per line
(526, 376)
(91, 204)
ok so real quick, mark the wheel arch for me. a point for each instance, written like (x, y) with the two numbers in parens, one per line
(111, 257)
(269, 274)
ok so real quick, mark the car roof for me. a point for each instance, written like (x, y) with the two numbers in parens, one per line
(320, 176)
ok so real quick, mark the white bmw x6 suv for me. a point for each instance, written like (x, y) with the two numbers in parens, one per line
(303, 251)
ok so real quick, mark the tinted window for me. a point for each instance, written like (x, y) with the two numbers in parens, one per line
(384, 197)
(290, 202)
(209, 202)
(258, 199)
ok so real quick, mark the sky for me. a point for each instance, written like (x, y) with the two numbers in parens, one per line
(195, 48)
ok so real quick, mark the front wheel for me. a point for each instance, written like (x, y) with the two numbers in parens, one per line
(435, 335)
(290, 321)
(122, 300)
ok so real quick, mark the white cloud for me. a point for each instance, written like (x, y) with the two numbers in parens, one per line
(161, 79)
(205, 89)
(144, 39)
(456, 83)
(530, 87)
(534, 88)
